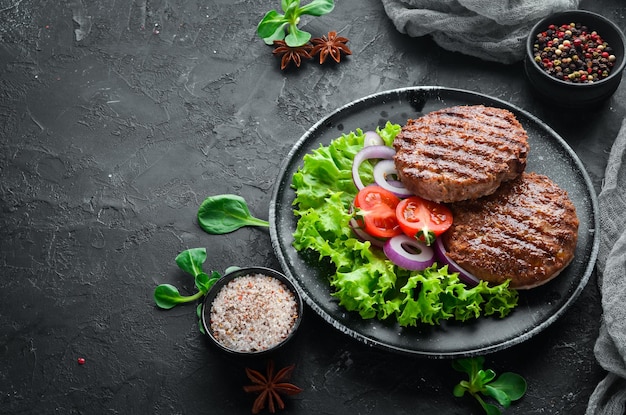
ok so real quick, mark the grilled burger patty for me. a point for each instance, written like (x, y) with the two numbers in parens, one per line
(460, 153)
(526, 232)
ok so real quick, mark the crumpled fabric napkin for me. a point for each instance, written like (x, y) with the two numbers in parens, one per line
(609, 397)
(493, 30)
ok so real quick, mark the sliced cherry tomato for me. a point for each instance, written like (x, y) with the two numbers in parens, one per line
(423, 219)
(377, 211)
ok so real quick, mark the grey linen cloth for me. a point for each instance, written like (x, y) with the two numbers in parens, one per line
(609, 397)
(493, 30)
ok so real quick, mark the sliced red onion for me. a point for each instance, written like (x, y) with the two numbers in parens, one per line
(442, 257)
(369, 152)
(382, 170)
(364, 236)
(372, 138)
(409, 253)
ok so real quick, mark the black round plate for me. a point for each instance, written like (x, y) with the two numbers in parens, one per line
(537, 309)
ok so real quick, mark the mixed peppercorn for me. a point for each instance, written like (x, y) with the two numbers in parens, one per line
(573, 53)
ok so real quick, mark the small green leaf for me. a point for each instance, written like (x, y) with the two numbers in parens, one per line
(284, 4)
(279, 34)
(199, 314)
(167, 296)
(231, 269)
(460, 365)
(202, 282)
(512, 384)
(270, 23)
(214, 277)
(318, 7)
(489, 408)
(226, 213)
(499, 395)
(486, 376)
(469, 365)
(297, 37)
(292, 12)
(459, 390)
(191, 260)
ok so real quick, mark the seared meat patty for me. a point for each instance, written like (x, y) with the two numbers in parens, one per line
(460, 153)
(526, 232)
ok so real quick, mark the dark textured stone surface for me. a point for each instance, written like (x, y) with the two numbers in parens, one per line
(117, 118)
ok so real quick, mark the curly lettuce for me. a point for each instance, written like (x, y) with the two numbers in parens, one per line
(365, 281)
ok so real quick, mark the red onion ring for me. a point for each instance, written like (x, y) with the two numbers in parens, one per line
(385, 168)
(396, 250)
(369, 152)
(372, 138)
(442, 257)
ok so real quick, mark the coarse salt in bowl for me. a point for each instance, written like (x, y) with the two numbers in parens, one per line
(252, 311)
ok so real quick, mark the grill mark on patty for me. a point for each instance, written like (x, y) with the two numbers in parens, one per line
(460, 145)
(455, 161)
(523, 218)
(488, 115)
(476, 134)
(517, 233)
(433, 124)
(522, 235)
(466, 161)
(478, 122)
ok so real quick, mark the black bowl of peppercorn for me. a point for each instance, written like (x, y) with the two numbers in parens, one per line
(575, 58)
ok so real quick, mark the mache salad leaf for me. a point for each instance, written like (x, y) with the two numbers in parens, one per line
(484, 383)
(365, 281)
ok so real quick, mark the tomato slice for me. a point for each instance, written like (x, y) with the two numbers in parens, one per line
(423, 219)
(377, 211)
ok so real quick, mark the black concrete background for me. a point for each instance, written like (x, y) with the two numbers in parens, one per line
(118, 117)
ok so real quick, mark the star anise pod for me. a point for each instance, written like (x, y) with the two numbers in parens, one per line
(291, 54)
(270, 387)
(332, 45)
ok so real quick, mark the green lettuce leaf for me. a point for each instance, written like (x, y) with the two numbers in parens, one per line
(389, 133)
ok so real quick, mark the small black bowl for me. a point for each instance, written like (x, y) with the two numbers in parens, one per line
(259, 317)
(569, 94)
